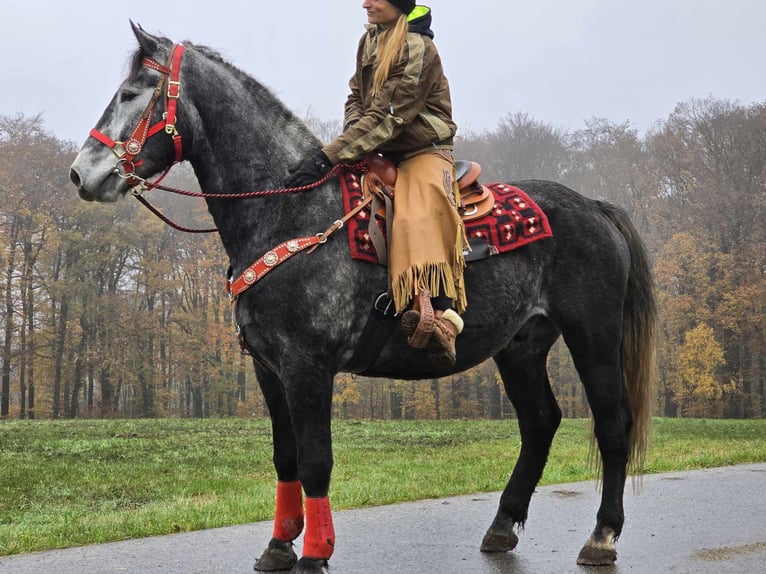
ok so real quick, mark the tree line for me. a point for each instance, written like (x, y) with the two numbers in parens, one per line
(108, 312)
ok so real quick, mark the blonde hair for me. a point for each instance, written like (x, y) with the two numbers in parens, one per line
(391, 43)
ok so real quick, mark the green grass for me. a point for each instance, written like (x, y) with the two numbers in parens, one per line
(68, 483)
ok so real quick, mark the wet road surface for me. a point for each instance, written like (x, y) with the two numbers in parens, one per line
(706, 521)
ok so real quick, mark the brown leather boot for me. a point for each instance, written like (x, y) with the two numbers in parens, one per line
(441, 346)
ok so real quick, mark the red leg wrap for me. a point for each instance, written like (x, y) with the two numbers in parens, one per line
(319, 541)
(288, 516)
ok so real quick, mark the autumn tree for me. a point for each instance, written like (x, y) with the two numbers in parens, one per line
(107, 312)
(696, 380)
(711, 161)
(31, 170)
(346, 394)
(519, 148)
(610, 162)
(712, 156)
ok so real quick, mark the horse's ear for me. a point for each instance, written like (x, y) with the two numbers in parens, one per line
(149, 44)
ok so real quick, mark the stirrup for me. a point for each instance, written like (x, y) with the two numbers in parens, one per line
(422, 317)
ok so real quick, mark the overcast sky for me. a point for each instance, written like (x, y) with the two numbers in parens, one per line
(560, 61)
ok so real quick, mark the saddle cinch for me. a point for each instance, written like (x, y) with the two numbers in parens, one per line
(476, 200)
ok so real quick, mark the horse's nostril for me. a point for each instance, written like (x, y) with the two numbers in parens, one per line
(74, 177)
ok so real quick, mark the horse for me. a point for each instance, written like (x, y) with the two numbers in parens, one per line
(589, 283)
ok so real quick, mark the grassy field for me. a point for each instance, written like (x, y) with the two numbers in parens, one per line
(68, 483)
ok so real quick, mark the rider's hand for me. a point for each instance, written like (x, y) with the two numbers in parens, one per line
(309, 170)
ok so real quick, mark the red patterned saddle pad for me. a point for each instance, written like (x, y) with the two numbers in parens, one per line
(515, 220)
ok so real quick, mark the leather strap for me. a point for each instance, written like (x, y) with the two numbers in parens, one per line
(129, 150)
(376, 333)
(172, 94)
(373, 228)
(258, 269)
(149, 63)
(341, 222)
(282, 252)
(382, 199)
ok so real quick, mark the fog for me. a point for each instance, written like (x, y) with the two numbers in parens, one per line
(560, 61)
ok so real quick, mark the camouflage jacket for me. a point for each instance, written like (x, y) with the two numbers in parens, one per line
(410, 113)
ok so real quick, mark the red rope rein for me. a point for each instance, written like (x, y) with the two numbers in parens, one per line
(167, 221)
(360, 166)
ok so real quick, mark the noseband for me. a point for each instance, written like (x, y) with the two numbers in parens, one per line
(129, 150)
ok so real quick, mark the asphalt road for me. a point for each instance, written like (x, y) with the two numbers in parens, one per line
(706, 521)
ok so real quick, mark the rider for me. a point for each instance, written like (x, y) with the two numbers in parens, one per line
(400, 107)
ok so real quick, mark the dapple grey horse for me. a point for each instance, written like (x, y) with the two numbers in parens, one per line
(589, 283)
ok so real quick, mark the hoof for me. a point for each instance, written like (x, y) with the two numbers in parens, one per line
(278, 557)
(310, 566)
(496, 541)
(598, 551)
(597, 556)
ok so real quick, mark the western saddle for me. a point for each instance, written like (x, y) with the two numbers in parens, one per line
(476, 200)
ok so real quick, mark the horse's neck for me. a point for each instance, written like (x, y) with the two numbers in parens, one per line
(244, 140)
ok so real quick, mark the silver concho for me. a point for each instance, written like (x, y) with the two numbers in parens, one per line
(270, 259)
(133, 147)
(249, 276)
(293, 246)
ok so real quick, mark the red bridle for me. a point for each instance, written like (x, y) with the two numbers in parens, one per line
(128, 151)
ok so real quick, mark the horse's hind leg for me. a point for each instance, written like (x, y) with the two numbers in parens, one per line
(596, 355)
(288, 515)
(523, 368)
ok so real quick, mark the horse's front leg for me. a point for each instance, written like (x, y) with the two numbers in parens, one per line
(302, 456)
(308, 391)
(288, 515)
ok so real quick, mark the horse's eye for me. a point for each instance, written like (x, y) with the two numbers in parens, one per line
(127, 96)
